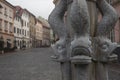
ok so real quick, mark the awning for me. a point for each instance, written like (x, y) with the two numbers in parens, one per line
(9, 41)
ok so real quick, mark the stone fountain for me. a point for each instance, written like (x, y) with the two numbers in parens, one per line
(83, 50)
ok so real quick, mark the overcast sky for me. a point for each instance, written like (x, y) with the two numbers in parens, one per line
(37, 7)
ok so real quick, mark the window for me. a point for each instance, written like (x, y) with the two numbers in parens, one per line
(18, 43)
(0, 23)
(18, 19)
(17, 30)
(14, 29)
(23, 31)
(28, 33)
(1, 10)
(119, 30)
(5, 12)
(22, 22)
(20, 31)
(111, 35)
(6, 25)
(25, 23)
(10, 27)
(10, 13)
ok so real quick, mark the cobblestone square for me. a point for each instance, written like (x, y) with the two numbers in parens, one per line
(36, 64)
(32, 64)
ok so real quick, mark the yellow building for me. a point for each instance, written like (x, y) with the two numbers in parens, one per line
(6, 23)
(32, 23)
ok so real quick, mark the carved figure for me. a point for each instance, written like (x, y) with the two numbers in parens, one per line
(58, 26)
(81, 29)
(79, 19)
(104, 46)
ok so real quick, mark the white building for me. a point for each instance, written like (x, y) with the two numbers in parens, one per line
(22, 27)
(18, 31)
(25, 28)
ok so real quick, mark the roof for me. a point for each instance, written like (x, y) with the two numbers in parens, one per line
(39, 21)
(31, 14)
(18, 10)
(44, 22)
(7, 3)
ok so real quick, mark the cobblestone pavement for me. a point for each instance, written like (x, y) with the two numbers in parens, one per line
(114, 71)
(32, 64)
(36, 64)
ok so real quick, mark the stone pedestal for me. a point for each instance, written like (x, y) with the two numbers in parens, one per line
(65, 66)
(66, 70)
(101, 69)
(80, 67)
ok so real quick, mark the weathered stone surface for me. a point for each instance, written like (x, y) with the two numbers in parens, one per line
(77, 46)
(80, 67)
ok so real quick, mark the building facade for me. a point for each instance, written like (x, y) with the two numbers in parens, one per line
(18, 31)
(114, 34)
(52, 37)
(116, 30)
(26, 29)
(32, 23)
(39, 33)
(6, 23)
(46, 35)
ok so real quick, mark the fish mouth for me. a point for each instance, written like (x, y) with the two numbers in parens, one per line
(80, 50)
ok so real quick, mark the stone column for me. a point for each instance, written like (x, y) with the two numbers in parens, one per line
(80, 66)
(102, 54)
(66, 70)
(101, 69)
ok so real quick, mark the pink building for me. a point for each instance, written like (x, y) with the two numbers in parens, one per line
(114, 35)
(117, 26)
